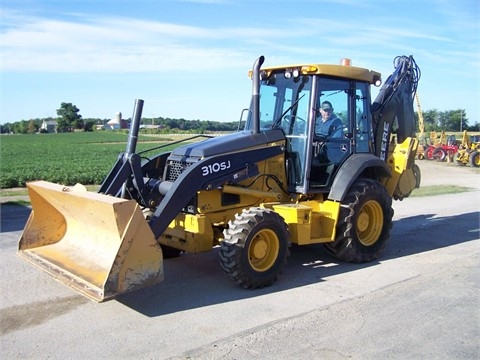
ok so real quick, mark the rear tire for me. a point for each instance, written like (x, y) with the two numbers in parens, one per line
(255, 249)
(364, 224)
(417, 174)
(474, 159)
(428, 154)
(439, 154)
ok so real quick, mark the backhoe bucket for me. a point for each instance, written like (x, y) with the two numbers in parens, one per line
(97, 244)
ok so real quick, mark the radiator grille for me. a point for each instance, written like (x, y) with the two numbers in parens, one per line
(175, 168)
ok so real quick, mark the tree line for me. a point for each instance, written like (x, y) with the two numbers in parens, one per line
(449, 120)
(165, 125)
(69, 119)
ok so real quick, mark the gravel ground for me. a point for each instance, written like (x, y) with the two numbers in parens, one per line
(420, 301)
(443, 173)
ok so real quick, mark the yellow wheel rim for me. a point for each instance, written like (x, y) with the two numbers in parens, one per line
(369, 223)
(263, 250)
(476, 160)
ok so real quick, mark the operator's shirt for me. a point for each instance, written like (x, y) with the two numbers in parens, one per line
(331, 128)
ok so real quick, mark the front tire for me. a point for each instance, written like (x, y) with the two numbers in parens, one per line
(364, 224)
(474, 159)
(255, 249)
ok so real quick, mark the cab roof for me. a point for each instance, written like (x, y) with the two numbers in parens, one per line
(341, 71)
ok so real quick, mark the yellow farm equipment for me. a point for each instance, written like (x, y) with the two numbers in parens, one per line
(469, 151)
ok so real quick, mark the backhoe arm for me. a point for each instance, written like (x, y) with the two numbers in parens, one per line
(393, 113)
(392, 109)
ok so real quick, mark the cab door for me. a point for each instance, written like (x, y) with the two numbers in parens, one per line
(328, 152)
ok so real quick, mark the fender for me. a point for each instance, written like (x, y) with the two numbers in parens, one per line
(351, 169)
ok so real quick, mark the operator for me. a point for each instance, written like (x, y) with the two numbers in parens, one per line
(331, 125)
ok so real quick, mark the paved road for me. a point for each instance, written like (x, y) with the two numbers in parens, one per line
(421, 300)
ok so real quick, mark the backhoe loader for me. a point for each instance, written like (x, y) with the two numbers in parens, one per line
(468, 151)
(251, 194)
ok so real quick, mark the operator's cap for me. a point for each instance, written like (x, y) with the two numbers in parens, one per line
(326, 105)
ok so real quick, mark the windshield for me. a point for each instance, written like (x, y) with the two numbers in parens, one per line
(284, 102)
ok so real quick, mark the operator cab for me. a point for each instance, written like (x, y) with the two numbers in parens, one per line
(290, 100)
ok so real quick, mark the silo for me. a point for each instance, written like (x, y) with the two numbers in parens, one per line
(118, 120)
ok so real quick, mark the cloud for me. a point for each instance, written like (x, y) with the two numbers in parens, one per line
(460, 16)
(87, 43)
(117, 44)
(99, 44)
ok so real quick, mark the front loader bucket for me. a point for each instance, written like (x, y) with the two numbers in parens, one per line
(97, 244)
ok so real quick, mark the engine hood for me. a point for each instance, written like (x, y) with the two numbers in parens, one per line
(234, 142)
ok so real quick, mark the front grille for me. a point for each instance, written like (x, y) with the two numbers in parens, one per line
(175, 168)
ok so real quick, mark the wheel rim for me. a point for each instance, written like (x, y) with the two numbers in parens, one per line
(263, 250)
(369, 223)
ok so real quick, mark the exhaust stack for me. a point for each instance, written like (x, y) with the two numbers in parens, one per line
(256, 93)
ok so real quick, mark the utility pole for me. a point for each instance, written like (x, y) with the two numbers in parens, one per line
(461, 120)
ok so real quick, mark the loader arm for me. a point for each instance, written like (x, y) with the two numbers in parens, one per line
(202, 176)
(127, 163)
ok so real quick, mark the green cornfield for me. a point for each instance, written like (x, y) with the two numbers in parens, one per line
(67, 158)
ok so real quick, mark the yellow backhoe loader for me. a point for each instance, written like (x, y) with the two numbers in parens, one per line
(286, 178)
(469, 151)
(422, 145)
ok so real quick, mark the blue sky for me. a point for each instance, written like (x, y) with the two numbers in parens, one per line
(189, 58)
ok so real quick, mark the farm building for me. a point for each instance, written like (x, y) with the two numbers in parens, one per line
(115, 124)
(49, 126)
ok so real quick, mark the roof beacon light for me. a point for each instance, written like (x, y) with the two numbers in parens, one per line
(345, 62)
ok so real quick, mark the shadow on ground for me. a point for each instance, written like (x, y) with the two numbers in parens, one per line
(13, 217)
(193, 281)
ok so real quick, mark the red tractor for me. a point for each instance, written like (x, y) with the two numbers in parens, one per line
(440, 151)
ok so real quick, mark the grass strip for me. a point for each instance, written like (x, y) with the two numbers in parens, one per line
(433, 190)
